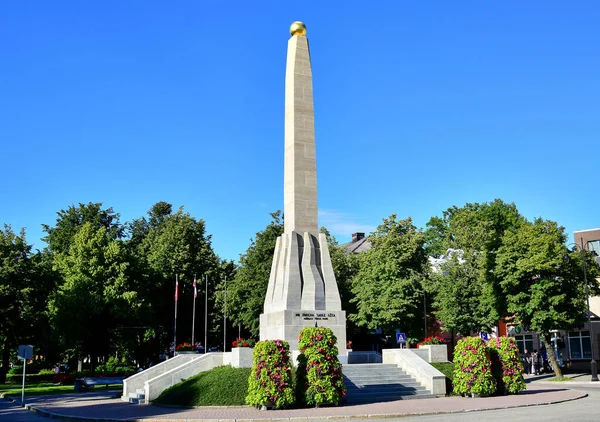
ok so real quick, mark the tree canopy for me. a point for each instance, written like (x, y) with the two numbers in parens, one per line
(388, 287)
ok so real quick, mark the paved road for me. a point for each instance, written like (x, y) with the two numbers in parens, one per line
(15, 413)
(581, 410)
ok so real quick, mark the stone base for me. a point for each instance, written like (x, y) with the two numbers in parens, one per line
(241, 357)
(286, 325)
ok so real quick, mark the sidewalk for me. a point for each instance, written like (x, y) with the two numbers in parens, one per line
(103, 406)
(579, 380)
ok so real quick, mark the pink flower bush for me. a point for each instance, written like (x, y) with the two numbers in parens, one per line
(507, 365)
(271, 382)
(473, 368)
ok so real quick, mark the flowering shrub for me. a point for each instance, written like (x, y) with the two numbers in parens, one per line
(185, 347)
(348, 345)
(507, 365)
(270, 382)
(473, 368)
(319, 379)
(431, 340)
(240, 342)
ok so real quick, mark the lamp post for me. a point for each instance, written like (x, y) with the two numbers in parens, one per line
(593, 365)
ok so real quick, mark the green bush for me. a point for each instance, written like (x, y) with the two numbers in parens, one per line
(507, 365)
(115, 366)
(17, 378)
(32, 368)
(473, 368)
(220, 386)
(319, 379)
(271, 382)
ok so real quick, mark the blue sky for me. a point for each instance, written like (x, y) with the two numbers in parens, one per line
(418, 107)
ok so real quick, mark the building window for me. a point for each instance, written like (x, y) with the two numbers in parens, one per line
(524, 341)
(594, 246)
(580, 345)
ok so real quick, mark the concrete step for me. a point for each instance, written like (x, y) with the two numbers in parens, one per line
(136, 400)
(373, 383)
(369, 367)
(384, 387)
(382, 378)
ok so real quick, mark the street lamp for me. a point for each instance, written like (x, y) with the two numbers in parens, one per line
(593, 365)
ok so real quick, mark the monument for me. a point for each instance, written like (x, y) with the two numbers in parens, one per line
(302, 289)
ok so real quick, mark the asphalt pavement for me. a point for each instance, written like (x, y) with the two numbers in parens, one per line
(103, 406)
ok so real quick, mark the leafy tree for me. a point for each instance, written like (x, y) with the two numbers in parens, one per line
(246, 293)
(162, 246)
(388, 288)
(69, 221)
(542, 280)
(25, 282)
(476, 231)
(462, 301)
(95, 295)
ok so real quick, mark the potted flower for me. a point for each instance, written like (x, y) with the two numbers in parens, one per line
(185, 348)
(240, 342)
(436, 349)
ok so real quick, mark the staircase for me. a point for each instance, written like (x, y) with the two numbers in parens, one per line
(138, 397)
(377, 382)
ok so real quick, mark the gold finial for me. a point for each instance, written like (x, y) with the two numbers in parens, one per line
(298, 28)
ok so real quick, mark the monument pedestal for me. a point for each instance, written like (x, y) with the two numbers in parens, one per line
(287, 324)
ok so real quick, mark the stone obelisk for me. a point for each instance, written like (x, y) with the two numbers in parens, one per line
(302, 289)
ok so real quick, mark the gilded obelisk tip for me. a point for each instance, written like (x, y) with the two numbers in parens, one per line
(298, 28)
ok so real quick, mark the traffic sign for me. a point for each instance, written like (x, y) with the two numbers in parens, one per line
(25, 351)
(400, 338)
(483, 335)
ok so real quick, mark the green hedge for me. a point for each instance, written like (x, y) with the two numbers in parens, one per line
(319, 379)
(271, 382)
(473, 368)
(507, 365)
(16, 378)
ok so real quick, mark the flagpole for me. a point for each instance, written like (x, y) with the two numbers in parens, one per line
(225, 317)
(206, 316)
(176, 299)
(194, 312)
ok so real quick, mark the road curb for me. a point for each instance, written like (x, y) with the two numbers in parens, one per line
(55, 415)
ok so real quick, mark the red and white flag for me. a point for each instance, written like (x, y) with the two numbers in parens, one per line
(195, 290)
(176, 289)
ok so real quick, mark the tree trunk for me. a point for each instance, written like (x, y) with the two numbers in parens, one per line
(5, 362)
(551, 356)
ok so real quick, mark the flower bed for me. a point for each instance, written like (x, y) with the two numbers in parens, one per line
(473, 368)
(270, 383)
(431, 340)
(185, 347)
(240, 342)
(319, 379)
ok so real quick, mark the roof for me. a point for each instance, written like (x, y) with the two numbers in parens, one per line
(359, 246)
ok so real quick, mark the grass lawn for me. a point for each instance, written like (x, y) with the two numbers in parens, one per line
(14, 389)
(221, 386)
(561, 379)
(446, 368)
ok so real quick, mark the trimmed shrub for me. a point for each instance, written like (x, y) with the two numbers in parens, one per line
(271, 383)
(319, 379)
(507, 365)
(473, 368)
(31, 378)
